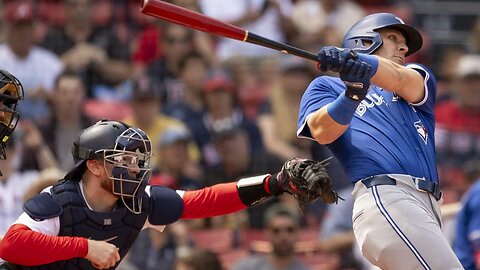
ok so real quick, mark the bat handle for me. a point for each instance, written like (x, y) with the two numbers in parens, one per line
(259, 40)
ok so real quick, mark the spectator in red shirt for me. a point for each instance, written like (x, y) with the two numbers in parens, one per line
(457, 133)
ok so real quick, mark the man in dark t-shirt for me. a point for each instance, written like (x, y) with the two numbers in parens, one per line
(98, 54)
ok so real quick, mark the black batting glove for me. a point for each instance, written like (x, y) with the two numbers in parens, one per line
(356, 76)
(333, 58)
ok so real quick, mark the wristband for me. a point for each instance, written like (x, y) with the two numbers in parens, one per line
(371, 60)
(342, 109)
(252, 190)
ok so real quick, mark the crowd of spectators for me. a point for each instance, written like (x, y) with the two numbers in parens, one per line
(215, 109)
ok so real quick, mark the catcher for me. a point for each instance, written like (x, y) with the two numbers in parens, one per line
(91, 218)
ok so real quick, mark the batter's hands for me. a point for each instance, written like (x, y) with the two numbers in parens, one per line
(307, 180)
(356, 76)
(102, 255)
(333, 58)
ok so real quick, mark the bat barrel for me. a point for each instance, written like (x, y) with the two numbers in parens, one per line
(172, 13)
(175, 14)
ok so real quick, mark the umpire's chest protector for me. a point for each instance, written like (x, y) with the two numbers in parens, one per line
(119, 227)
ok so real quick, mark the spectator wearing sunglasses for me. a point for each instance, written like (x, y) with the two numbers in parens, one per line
(281, 230)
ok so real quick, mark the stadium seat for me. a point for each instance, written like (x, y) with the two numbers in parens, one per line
(114, 110)
(216, 240)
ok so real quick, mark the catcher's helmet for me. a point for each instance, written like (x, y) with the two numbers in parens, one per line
(366, 30)
(125, 148)
(11, 91)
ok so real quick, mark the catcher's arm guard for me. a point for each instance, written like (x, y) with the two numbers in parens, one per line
(253, 190)
(306, 180)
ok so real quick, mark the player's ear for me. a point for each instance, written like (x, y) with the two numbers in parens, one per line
(95, 167)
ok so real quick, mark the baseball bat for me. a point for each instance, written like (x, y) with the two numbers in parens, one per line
(175, 14)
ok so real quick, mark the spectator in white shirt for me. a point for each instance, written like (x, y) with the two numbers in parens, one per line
(35, 67)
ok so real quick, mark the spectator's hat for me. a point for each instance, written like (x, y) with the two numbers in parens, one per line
(144, 89)
(280, 209)
(20, 12)
(468, 65)
(227, 130)
(172, 135)
(218, 82)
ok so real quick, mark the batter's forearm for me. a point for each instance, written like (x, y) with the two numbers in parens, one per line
(404, 81)
(323, 128)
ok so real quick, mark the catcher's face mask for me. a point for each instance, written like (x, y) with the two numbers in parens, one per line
(131, 170)
(11, 91)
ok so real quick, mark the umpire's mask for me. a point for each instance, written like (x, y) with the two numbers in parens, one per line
(11, 91)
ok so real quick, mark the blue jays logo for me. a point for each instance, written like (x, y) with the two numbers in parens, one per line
(421, 130)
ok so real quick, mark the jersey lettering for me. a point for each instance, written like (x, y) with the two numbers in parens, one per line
(369, 102)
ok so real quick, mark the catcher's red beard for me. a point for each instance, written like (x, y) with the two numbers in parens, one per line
(107, 185)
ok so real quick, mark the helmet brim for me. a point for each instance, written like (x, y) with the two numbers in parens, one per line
(76, 172)
(413, 37)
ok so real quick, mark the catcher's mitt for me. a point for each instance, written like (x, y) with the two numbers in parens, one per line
(307, 180)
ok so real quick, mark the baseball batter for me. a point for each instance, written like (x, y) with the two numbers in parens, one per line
(378, 120)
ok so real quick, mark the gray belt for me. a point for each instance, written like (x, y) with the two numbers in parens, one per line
(421, 184)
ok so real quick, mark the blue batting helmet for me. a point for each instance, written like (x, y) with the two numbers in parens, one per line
(366, 30)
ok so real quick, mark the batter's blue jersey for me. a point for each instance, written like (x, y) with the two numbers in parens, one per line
(467, 234)
(387, 135)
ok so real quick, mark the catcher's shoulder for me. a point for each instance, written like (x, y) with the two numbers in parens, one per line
(42, 206)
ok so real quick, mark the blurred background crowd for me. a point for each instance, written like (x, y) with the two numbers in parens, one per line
(217, 110)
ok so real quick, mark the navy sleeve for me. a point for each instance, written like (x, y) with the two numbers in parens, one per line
(166, 206)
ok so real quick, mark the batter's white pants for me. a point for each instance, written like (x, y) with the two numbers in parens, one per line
(397, 227)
